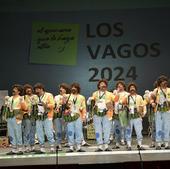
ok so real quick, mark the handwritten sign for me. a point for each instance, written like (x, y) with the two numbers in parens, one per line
(54, 43)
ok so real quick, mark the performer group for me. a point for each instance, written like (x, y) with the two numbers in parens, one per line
(33, 113)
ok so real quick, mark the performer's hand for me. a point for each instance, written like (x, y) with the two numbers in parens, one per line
(153, 105)
(84, 119)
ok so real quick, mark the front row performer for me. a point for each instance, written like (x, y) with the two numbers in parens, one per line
(102, 105)
(74, 115)
(60, 106)
(28, 122)
(136, 111)
(120, 118)
(14, 114)
(44, 118)
(162, 116)
(150, 99)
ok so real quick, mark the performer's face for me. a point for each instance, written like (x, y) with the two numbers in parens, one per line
(39, 91)
(15, 91)
(120, 87)
(132, 90)
(164, 84)
(62, 90)
(28, 91)
(102, 86)
(74, 90)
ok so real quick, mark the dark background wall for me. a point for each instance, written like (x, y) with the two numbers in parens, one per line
(137, 51)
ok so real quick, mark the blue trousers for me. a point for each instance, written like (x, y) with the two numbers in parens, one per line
(162, 123)
(45, 127)
(74, 132)
(28, 130)
(14, 132)
(102, 127)
(119, 131)
(58, 126)
(137, 123)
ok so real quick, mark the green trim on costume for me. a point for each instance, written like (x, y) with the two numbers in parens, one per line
(57, 115)
(69, 118)
(163, 108)
(134, 116)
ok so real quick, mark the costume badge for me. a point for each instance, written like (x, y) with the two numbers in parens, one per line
(101, 104)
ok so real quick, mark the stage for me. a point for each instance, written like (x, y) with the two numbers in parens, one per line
(89, 157)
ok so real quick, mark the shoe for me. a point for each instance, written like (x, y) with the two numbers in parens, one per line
(152, 146)
(27, 150)
(129, 148)
(36, 141)
(11, 153)
(52, 150)
(158, 147)
(167, 147)
(108, 149)
(32, 149)
(19, 153)
(81, 150)
(69, 150)
(58, 147)
(140, 147)
(122, 143)
(85, 144)
(111, 138)
(39, 152)
(66, 145)
(110, 142)
(116, 147)
(98, 150)
(163, 145)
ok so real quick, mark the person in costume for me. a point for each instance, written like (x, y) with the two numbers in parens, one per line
(137, 111)
(60, 106)
(44, 123)
(28, 122)
(120, 119)
(102, 104)
(14, 114)
(149, 99)
(74, 115)
(162, 115)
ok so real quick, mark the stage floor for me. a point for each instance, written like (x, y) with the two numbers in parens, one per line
(88, 157)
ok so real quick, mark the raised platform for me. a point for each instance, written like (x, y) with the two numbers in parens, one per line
(89, 157)
(84, 158)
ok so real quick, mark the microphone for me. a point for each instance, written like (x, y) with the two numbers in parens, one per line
(141, 161)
